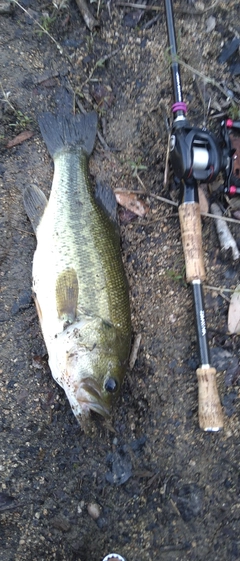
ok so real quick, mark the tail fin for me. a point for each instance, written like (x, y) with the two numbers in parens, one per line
(62, 131)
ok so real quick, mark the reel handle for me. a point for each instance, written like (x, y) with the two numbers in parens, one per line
(191, 233)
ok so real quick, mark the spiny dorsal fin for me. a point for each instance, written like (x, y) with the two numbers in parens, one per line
(67, 295)
(35, 203)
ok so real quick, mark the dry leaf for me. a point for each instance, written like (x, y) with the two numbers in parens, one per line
(132, 202)
(234, 312)
(25, 135)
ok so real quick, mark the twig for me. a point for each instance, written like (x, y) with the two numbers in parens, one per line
(218, 289)
(161, 9)
(207, 79)
(140, 6)
(173, 203)
(232, 220)
(90, 21)
(228, 300)
(150, 23)
(98, 7)
(140, 181)
(134, 351)
(6, 98)
(25, 232)
(163, 199)
(208, 214)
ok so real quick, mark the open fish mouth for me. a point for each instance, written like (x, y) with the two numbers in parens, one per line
(90, 396)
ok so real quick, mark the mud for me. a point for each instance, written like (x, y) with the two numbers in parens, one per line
(164, 490)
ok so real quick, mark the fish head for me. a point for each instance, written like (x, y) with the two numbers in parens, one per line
(93, 364)
(99, 387)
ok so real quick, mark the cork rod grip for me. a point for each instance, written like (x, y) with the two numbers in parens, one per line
(209, 407)
(191, 232)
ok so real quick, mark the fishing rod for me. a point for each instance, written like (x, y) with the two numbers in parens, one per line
(196, 155)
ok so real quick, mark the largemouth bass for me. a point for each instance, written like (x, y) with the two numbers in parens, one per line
(79, 284)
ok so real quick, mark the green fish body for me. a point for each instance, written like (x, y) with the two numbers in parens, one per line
(79, 283)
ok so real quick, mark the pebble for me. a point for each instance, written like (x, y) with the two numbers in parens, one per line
(210, 24)
(94, 510)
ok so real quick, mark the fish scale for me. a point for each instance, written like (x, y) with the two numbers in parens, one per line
(82, 236)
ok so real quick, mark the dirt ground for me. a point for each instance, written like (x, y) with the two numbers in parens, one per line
(164, 490)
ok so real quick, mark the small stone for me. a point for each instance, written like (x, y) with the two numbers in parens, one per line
(210, 24)
(94, 510)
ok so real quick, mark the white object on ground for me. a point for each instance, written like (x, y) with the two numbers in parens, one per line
(113, 557)
(234, 312)
(226, 239)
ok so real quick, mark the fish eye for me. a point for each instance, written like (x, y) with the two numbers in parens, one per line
(111, 385)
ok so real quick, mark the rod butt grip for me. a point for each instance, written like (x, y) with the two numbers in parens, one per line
(209, 407)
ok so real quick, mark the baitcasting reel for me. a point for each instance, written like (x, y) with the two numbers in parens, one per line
(198, 154)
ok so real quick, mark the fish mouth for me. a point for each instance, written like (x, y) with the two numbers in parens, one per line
(90, 396)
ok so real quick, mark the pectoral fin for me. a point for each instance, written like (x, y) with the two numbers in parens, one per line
(67, 295)
(35, 203)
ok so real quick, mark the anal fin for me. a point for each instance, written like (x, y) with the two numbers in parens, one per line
(35, 203)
